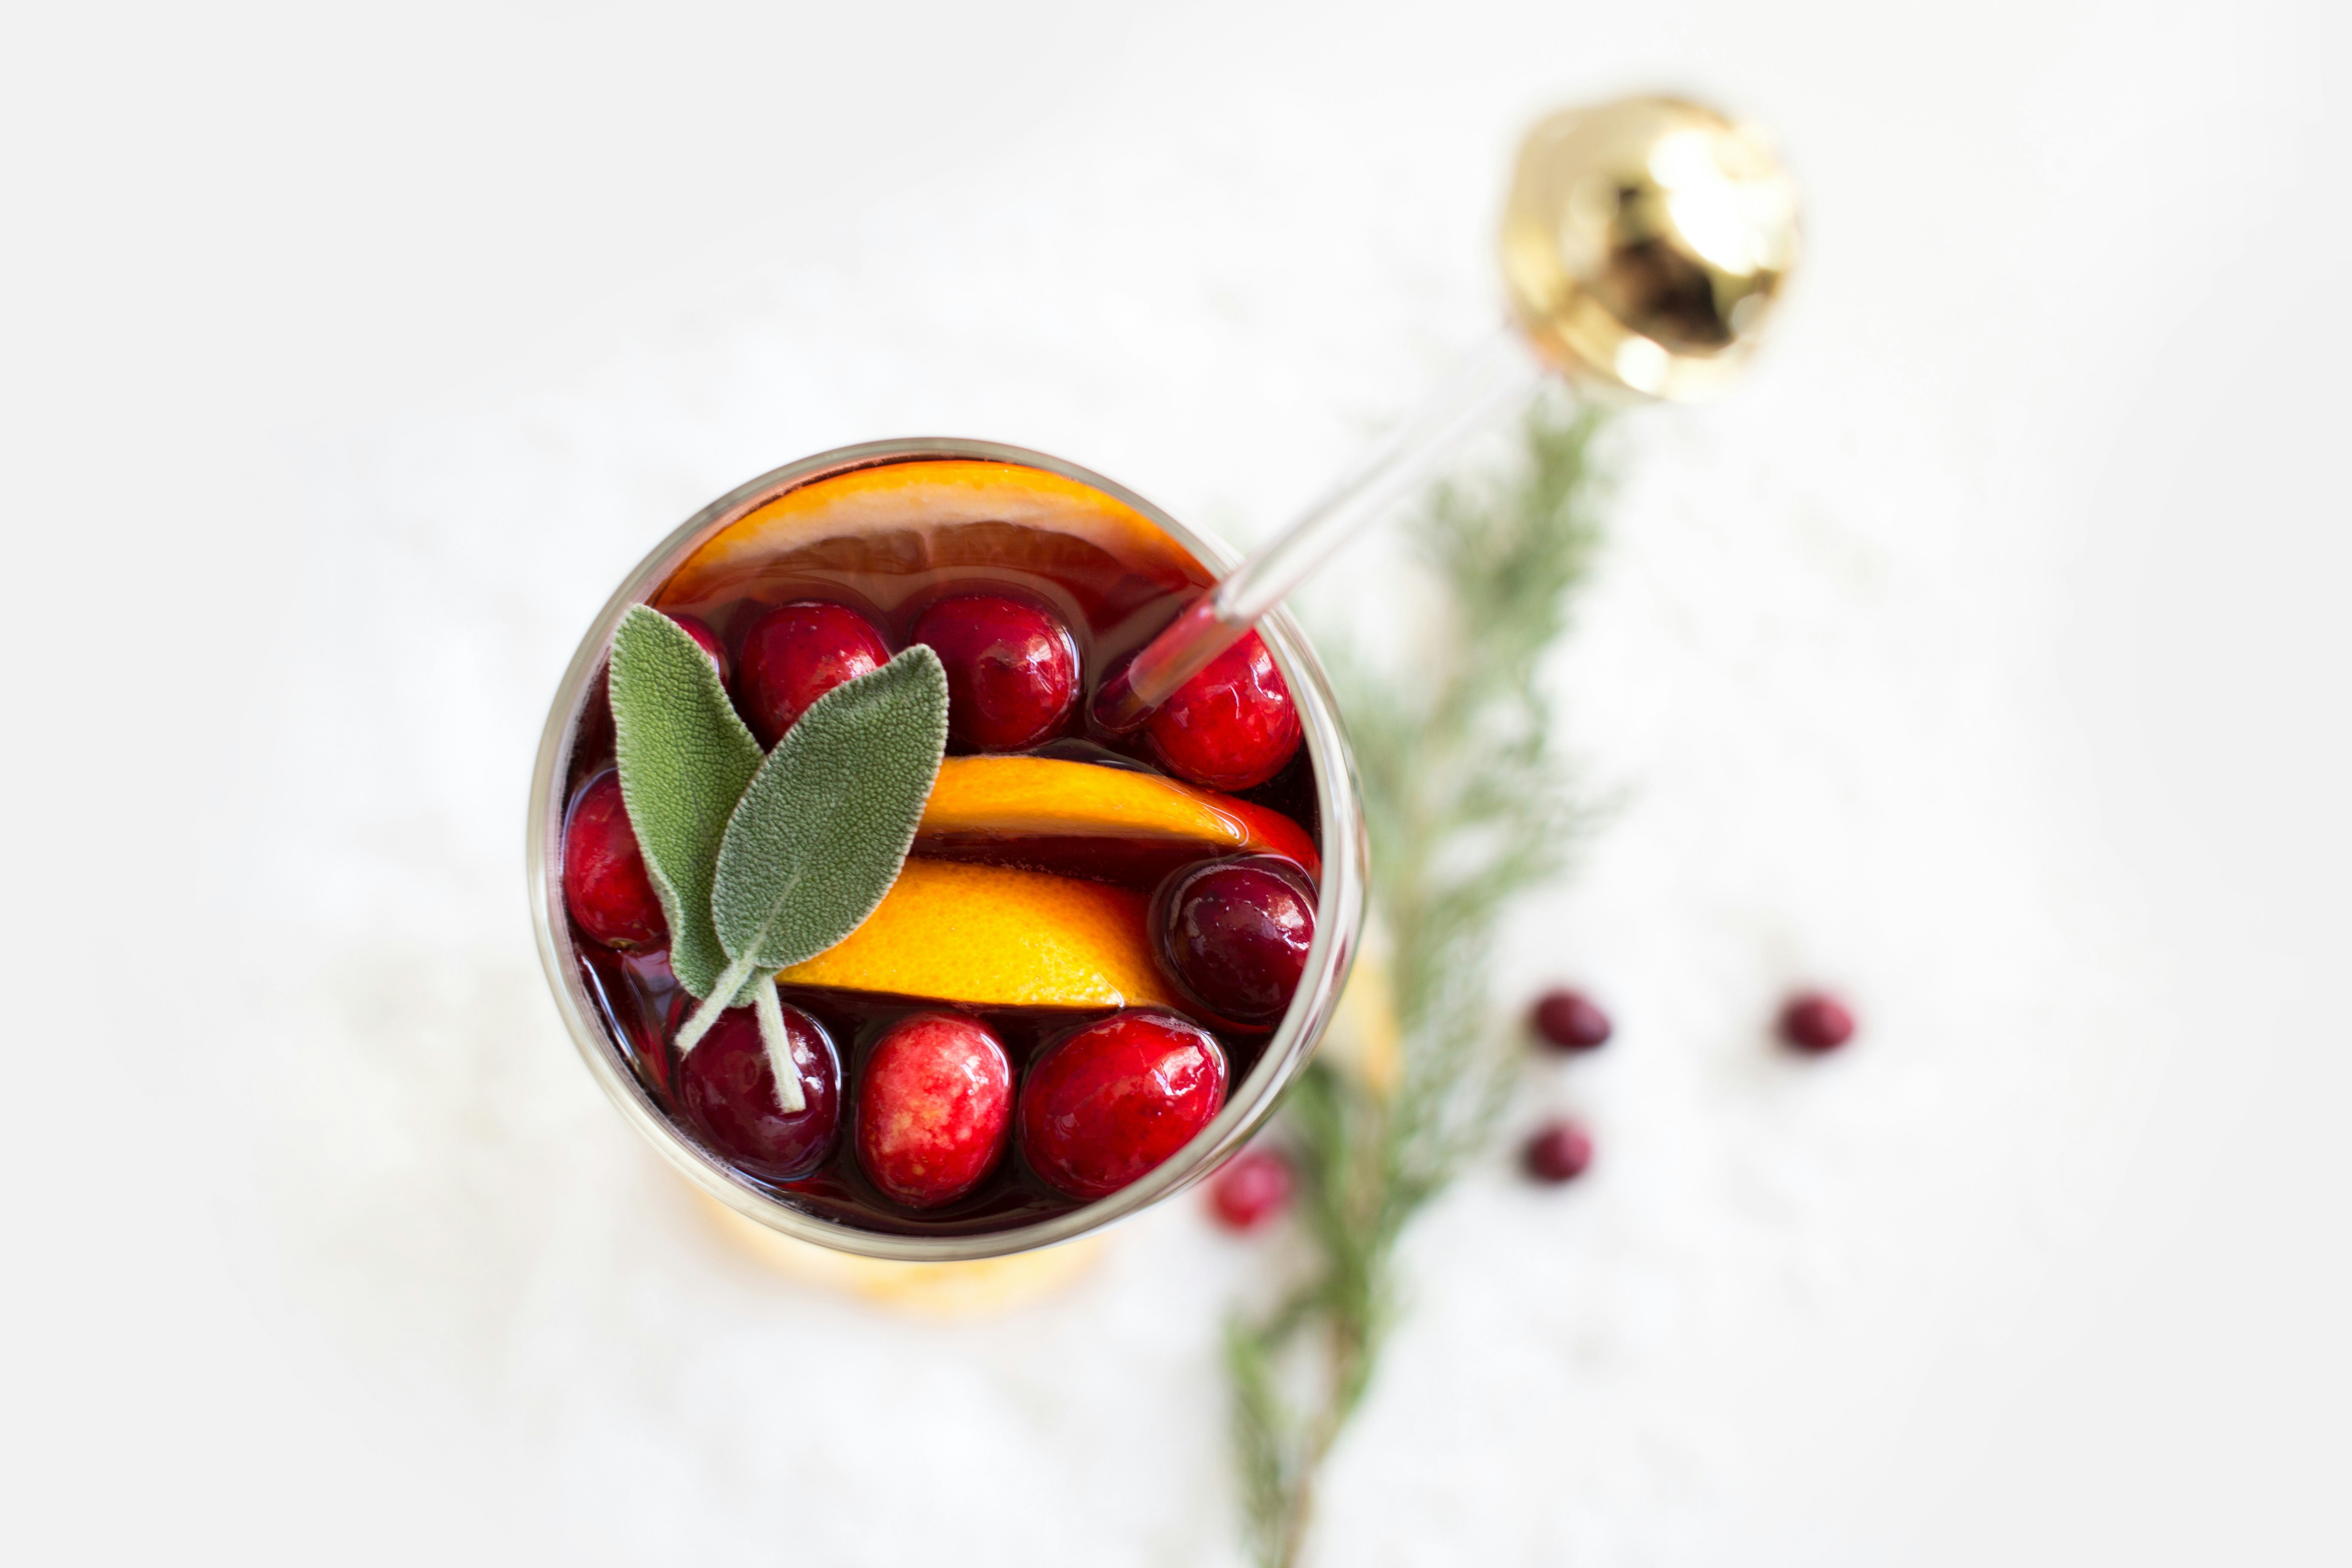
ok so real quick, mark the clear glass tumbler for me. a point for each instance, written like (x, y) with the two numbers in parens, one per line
(1340, 896)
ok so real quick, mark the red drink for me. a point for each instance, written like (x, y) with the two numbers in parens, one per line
(1050, 868)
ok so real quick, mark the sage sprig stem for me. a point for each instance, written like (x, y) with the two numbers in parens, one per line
(770, 1014)
(733, 982)
(770, 1011)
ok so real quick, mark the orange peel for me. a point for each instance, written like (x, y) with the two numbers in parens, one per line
(993, 936)
(905, 521)
(1074, 816)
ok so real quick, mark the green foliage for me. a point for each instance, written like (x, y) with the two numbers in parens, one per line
(819, 837)
(1467, 807)
(685, 760)
(761, 864)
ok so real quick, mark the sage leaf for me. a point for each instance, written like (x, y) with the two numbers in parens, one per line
(818, 837)
(684, 761)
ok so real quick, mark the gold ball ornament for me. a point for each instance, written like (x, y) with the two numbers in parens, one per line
(1646, 243)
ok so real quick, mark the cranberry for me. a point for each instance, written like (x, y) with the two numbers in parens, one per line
(1249, 1191)
(730, 1092)
(709, 642)
(1235, 933)
(1012, 670)
(1558, 1153)
(1231, 726)
(604, 882)
(634, 993)
(794, 653)
(1568, 1021)
(1112, 1101)
(934, 1108)
(1815, 1022)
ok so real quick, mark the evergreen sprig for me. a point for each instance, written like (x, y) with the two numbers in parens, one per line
(1468, 805)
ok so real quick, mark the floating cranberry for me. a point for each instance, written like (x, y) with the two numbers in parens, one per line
(1235, 933)
(730, 1092)
(1251, 1190)
(1558, 1153)
(636, 992)
(604, 882)
(1568, 1021)
(1814, 1022)
(934, 1108)
(1112, 1101)
(709, 642)
(1231, 726)
(1012, 670)
(794, 653)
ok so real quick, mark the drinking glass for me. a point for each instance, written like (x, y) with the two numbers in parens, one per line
(1339, 904)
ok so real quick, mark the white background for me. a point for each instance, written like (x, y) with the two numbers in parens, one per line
(1983, 656)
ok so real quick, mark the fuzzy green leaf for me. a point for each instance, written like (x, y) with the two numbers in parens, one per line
(684, 761)
(822, 832)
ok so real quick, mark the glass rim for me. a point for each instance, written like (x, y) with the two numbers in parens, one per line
(1339, 895)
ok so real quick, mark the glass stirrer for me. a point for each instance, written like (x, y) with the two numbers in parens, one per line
(1645, 242)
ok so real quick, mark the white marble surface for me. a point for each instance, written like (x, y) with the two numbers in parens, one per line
(1983, 657)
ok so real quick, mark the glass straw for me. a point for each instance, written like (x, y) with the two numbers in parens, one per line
(1501, 376)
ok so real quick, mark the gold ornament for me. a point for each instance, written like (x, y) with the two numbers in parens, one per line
(1646, 242)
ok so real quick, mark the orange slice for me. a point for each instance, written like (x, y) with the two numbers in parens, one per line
(1088, 819)
(902, 521)
(990, 936)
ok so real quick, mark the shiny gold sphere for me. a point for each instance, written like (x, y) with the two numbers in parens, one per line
(1646, 242)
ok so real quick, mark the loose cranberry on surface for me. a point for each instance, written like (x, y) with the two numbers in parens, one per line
(1558, 1153)
(1112, 1101)
(1815, 1022)
(794, 653)
(1231, 726)
(604, 882)
(709, 642)
(730, 1093)
(934, 1108)
(1251, 1190)
(1568, 1021)
(1235, 933)
(1012, 670)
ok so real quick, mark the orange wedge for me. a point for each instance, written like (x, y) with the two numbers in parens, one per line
(1088, 819)
(902, 521)
(990, 936)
